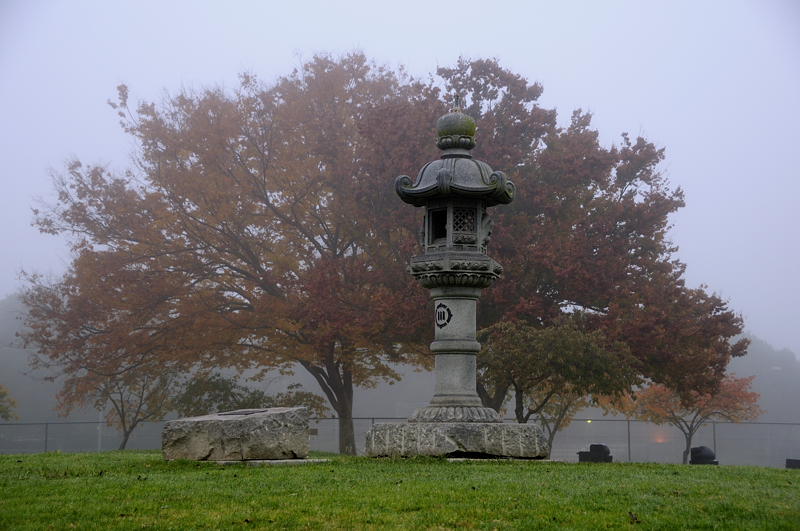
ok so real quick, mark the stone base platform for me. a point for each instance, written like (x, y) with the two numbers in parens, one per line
(456, 439)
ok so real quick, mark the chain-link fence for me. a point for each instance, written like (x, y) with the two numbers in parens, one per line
(35, 437)
(753, 443)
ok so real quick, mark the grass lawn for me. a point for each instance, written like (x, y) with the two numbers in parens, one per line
(134, 490)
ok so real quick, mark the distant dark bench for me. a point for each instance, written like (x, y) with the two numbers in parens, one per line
(703, 455)
(598, 453)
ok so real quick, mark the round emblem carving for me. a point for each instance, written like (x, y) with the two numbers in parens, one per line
(443, 315)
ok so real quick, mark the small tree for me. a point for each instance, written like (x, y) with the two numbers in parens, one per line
(135, 397)
(208, 394)
(6, 405)
(113, 360)
(557, 413)
(538, 363)
(732, 401)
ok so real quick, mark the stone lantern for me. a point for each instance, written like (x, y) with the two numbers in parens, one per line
(456, 191)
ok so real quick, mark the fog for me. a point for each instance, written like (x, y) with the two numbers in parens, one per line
(767, 443)
(715, 83)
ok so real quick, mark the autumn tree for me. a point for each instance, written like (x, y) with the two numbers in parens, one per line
(6, 405)
(588, 232)
(259, 228)
(206, 394)
(732, 401)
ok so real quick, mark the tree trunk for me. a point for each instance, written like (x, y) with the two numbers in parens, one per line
(688, 436)
(347, 434)
(551, 436)
(344, 408)
(494, 401)
(343, 405)
(337, 384)
(519, 409)
(126, 434)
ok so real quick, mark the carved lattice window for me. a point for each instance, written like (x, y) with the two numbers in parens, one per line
(464, 220)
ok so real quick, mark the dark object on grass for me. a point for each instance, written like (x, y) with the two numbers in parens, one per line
(598, 453)
(793, 463)
(703, 455)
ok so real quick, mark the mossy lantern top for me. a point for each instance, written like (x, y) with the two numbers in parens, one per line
(456, 173)
(455, 132)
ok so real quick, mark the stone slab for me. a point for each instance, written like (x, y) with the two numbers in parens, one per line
(241, 435)
(454, 439)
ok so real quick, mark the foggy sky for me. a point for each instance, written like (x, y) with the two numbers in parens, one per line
(715, 83)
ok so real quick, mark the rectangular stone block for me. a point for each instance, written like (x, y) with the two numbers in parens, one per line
(241, 435)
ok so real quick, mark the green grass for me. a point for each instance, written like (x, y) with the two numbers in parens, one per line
(134, 490)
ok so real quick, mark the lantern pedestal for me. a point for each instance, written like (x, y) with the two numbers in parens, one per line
(455, 424)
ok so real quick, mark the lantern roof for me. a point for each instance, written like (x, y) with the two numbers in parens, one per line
(456, 173)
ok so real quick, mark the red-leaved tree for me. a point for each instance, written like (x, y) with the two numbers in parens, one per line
(587, 232)
(732, 401)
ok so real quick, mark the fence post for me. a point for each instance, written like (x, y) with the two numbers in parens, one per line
(714, 430)
(46, 428)
(629, 440)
